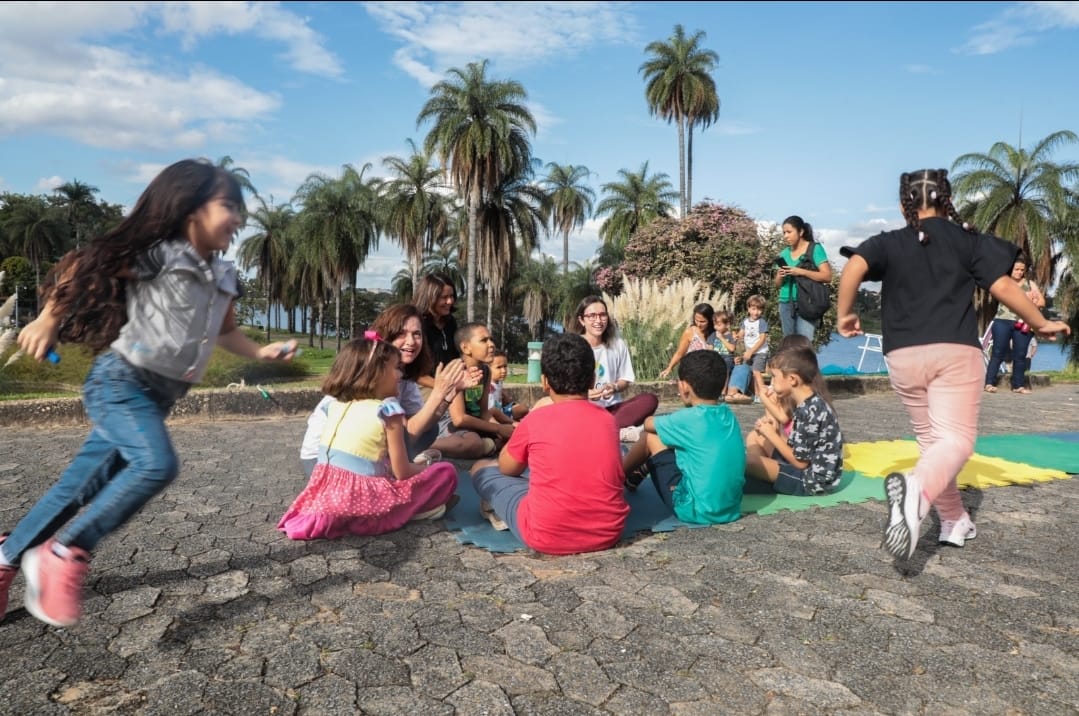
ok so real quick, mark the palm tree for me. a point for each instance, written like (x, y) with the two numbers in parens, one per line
(632, 203)
(678, 88)
(415, 208)
(512, 217)
(35, 231)
(1020, 196)
(571, 201)
(339, 228)
(537, 285)
(480, 131)
(242, 176)
(79, 206)
(267, 249)
(703, 112)
(444, 260)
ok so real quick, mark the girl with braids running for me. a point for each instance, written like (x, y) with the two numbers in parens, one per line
(928, 271)
(157, 294)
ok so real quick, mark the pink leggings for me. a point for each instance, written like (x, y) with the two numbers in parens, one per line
(941, 386)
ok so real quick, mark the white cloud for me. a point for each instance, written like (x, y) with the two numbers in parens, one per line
(47, 184)
(58, 75)
(438, 36)
(1019, 25)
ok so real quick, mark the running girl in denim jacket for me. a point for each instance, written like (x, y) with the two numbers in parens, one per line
(156, 293)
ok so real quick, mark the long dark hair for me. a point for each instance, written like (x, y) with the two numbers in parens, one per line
(608, 333)
(88, 285)
(803, 227)
(391, 323)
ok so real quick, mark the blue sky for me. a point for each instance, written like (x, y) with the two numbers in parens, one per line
(823, 104)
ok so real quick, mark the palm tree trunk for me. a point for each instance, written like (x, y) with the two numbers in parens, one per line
(565, 252)
(269, 307)
(337, 313)
(474, 201)
(682, 166)
(689, 167)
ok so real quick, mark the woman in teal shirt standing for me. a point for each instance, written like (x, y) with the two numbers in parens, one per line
(799, 237)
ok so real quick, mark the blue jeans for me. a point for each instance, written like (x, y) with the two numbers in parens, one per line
(740, 377)
(1004, 335)
(503, 493)
(790, 322)
(127, 459)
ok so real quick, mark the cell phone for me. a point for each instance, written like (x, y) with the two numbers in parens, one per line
(780, 263)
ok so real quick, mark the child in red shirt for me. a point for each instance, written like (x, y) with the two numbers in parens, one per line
(573, 498)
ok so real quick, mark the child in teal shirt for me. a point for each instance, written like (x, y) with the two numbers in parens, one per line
(695, 456)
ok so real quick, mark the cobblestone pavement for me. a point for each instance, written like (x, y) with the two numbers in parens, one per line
(198, 605)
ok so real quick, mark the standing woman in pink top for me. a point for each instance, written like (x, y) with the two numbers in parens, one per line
(928, 271)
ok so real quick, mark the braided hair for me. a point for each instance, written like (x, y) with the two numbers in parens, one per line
(928, 189)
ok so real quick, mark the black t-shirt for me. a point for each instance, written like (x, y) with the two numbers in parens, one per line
(441, 341)
(927, 289)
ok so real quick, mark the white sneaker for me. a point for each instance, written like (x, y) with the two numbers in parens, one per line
(904, 495)
(630, 435)
(957, 532)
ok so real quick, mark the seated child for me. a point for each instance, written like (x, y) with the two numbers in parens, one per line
(469, 411)
(573, 499)
(364, 483)
(503, 408)
(695, 456)
(724, 342)
(781, 410)
(810, 460)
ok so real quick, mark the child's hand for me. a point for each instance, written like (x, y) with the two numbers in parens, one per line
(38, 336)
(765, 426)
(1048, 331)
(848, 325)
(505, 431)
(282, 350)
(747, 356)
(473, 377)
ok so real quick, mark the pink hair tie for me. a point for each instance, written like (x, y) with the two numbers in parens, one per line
(372, 335)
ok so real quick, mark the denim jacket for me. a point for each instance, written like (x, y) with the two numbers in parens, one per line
(175, 309)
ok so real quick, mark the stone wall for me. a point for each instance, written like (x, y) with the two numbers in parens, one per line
(222, 404)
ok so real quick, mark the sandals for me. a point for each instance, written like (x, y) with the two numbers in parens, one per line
(739, 399)
(1023, 390)
(990, 389)
(489, 514)
(634, 478)
(427, 457)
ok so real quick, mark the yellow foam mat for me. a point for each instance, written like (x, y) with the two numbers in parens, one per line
(877, 459)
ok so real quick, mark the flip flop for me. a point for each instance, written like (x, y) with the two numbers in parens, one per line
(990, 389)
(1024, 390)
(739, 399)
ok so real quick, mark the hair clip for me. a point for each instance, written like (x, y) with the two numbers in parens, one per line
(372, 335)
(922, 237)
(933, 195)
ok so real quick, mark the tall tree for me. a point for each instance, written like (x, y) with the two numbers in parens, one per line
(266, 250)
(703, 112)
(80, 207)
(35, 230)
(480, 131)
(1019, 195)
(339, 228)
(633, 202)
(415, 207)
(570, 199)
(242, 176)
(678, 88)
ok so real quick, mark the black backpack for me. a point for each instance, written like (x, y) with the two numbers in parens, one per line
(814, 298)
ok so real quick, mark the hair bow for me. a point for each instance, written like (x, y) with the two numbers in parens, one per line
(372, 335)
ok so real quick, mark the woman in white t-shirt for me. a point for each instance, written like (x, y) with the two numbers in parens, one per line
(614, 369)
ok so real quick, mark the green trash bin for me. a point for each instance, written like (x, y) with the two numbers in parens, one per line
(535, 348)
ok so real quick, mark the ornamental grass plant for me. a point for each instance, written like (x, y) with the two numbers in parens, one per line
(651, 316)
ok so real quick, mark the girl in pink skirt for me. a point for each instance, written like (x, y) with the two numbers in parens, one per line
(364, 483)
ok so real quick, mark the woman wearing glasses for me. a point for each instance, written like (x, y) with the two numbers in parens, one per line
(614, 370)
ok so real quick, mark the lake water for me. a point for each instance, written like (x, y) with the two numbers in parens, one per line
(843, 353)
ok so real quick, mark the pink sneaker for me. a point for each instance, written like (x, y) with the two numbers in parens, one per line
(54, 583)
(7, 576)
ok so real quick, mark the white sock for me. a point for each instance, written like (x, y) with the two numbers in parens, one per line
(60, 550)
(4, 562)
